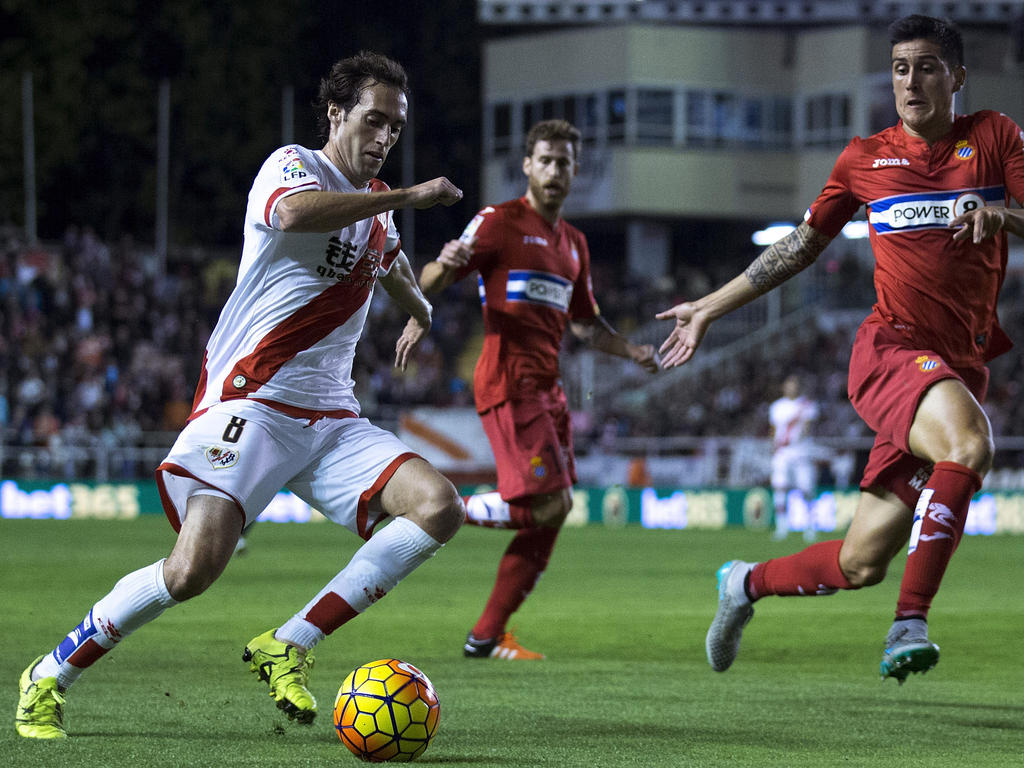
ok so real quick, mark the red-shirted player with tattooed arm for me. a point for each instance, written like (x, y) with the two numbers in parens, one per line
(937, 189)
(534, 276)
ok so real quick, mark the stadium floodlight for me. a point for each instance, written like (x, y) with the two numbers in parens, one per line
(771, 233)
(856, 230)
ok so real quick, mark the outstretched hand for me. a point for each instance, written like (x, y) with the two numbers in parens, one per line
(413, 333)
(682, 342)
(434, 192)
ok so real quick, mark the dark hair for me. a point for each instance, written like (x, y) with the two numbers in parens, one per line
(939, 31)
(349, 77)
(553, 130)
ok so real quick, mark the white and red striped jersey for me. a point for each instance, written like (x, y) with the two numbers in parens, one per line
(791, 418)
(288, 332)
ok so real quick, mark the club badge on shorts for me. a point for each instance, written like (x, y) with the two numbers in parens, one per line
(927, 363)
(220, 457)
(537, 468)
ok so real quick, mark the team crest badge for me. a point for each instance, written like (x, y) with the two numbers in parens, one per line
(964, 150)
(537, 468)
(927, 363)
(220, 457)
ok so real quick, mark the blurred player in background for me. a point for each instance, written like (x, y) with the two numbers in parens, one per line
(534, 277)
(275, 405)
(793, 467)
(937, 187)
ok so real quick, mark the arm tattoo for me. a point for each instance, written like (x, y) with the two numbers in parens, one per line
(780, 261)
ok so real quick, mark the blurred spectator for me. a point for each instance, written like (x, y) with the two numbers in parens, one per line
(99, 351)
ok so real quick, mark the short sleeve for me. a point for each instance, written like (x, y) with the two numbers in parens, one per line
(583, 305)
(836, 204)
(392, 244)
(485, 232)
(1011, 142)
(287, 171)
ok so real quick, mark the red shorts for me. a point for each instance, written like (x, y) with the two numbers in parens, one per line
(888, 378)
(531, 437)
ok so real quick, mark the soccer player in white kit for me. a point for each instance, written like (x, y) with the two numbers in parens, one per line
(793, 466)
(275, 405)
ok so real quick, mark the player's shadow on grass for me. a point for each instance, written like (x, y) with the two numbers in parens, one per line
(965, 711)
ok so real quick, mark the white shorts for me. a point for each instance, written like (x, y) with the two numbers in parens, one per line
(250, 451)
(794, 467)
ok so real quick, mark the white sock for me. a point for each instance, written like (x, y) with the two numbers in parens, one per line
(389, 556)
(136, 599)
(488, 508)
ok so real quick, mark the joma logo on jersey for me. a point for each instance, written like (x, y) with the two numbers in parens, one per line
(534, 240)
(882, 162)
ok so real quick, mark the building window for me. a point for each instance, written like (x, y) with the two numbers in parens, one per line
(827, 120)
(653, 116)
(531, 114)
(727, 118)
(778, 129)
(617, 113)
(550, 109)
(568, 104)
(502, 136)
(752, 130)
(654, 110)
(589, 118)
(698, 120)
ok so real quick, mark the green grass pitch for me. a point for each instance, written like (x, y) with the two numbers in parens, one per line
(621, 614)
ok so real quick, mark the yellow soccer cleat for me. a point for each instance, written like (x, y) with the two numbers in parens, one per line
(286, 670)
(40, 707)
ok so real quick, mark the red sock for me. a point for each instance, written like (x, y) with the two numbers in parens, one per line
(812, 571)
(521, 566)
(938, 526)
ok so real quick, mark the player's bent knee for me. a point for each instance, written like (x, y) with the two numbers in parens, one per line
(864, 574)
(977, 452)
(549, 518)
(441, 510)
(185, 582)
(551, 513)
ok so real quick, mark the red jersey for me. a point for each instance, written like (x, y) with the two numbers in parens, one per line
(940, 293)
(533, 279)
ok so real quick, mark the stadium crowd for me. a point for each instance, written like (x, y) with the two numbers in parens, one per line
(100, 347)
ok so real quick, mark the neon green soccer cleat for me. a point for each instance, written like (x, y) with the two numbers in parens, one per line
(286, 671)
(40, 707)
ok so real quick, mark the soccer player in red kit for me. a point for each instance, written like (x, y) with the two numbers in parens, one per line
(937, 188)
(534, 277)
